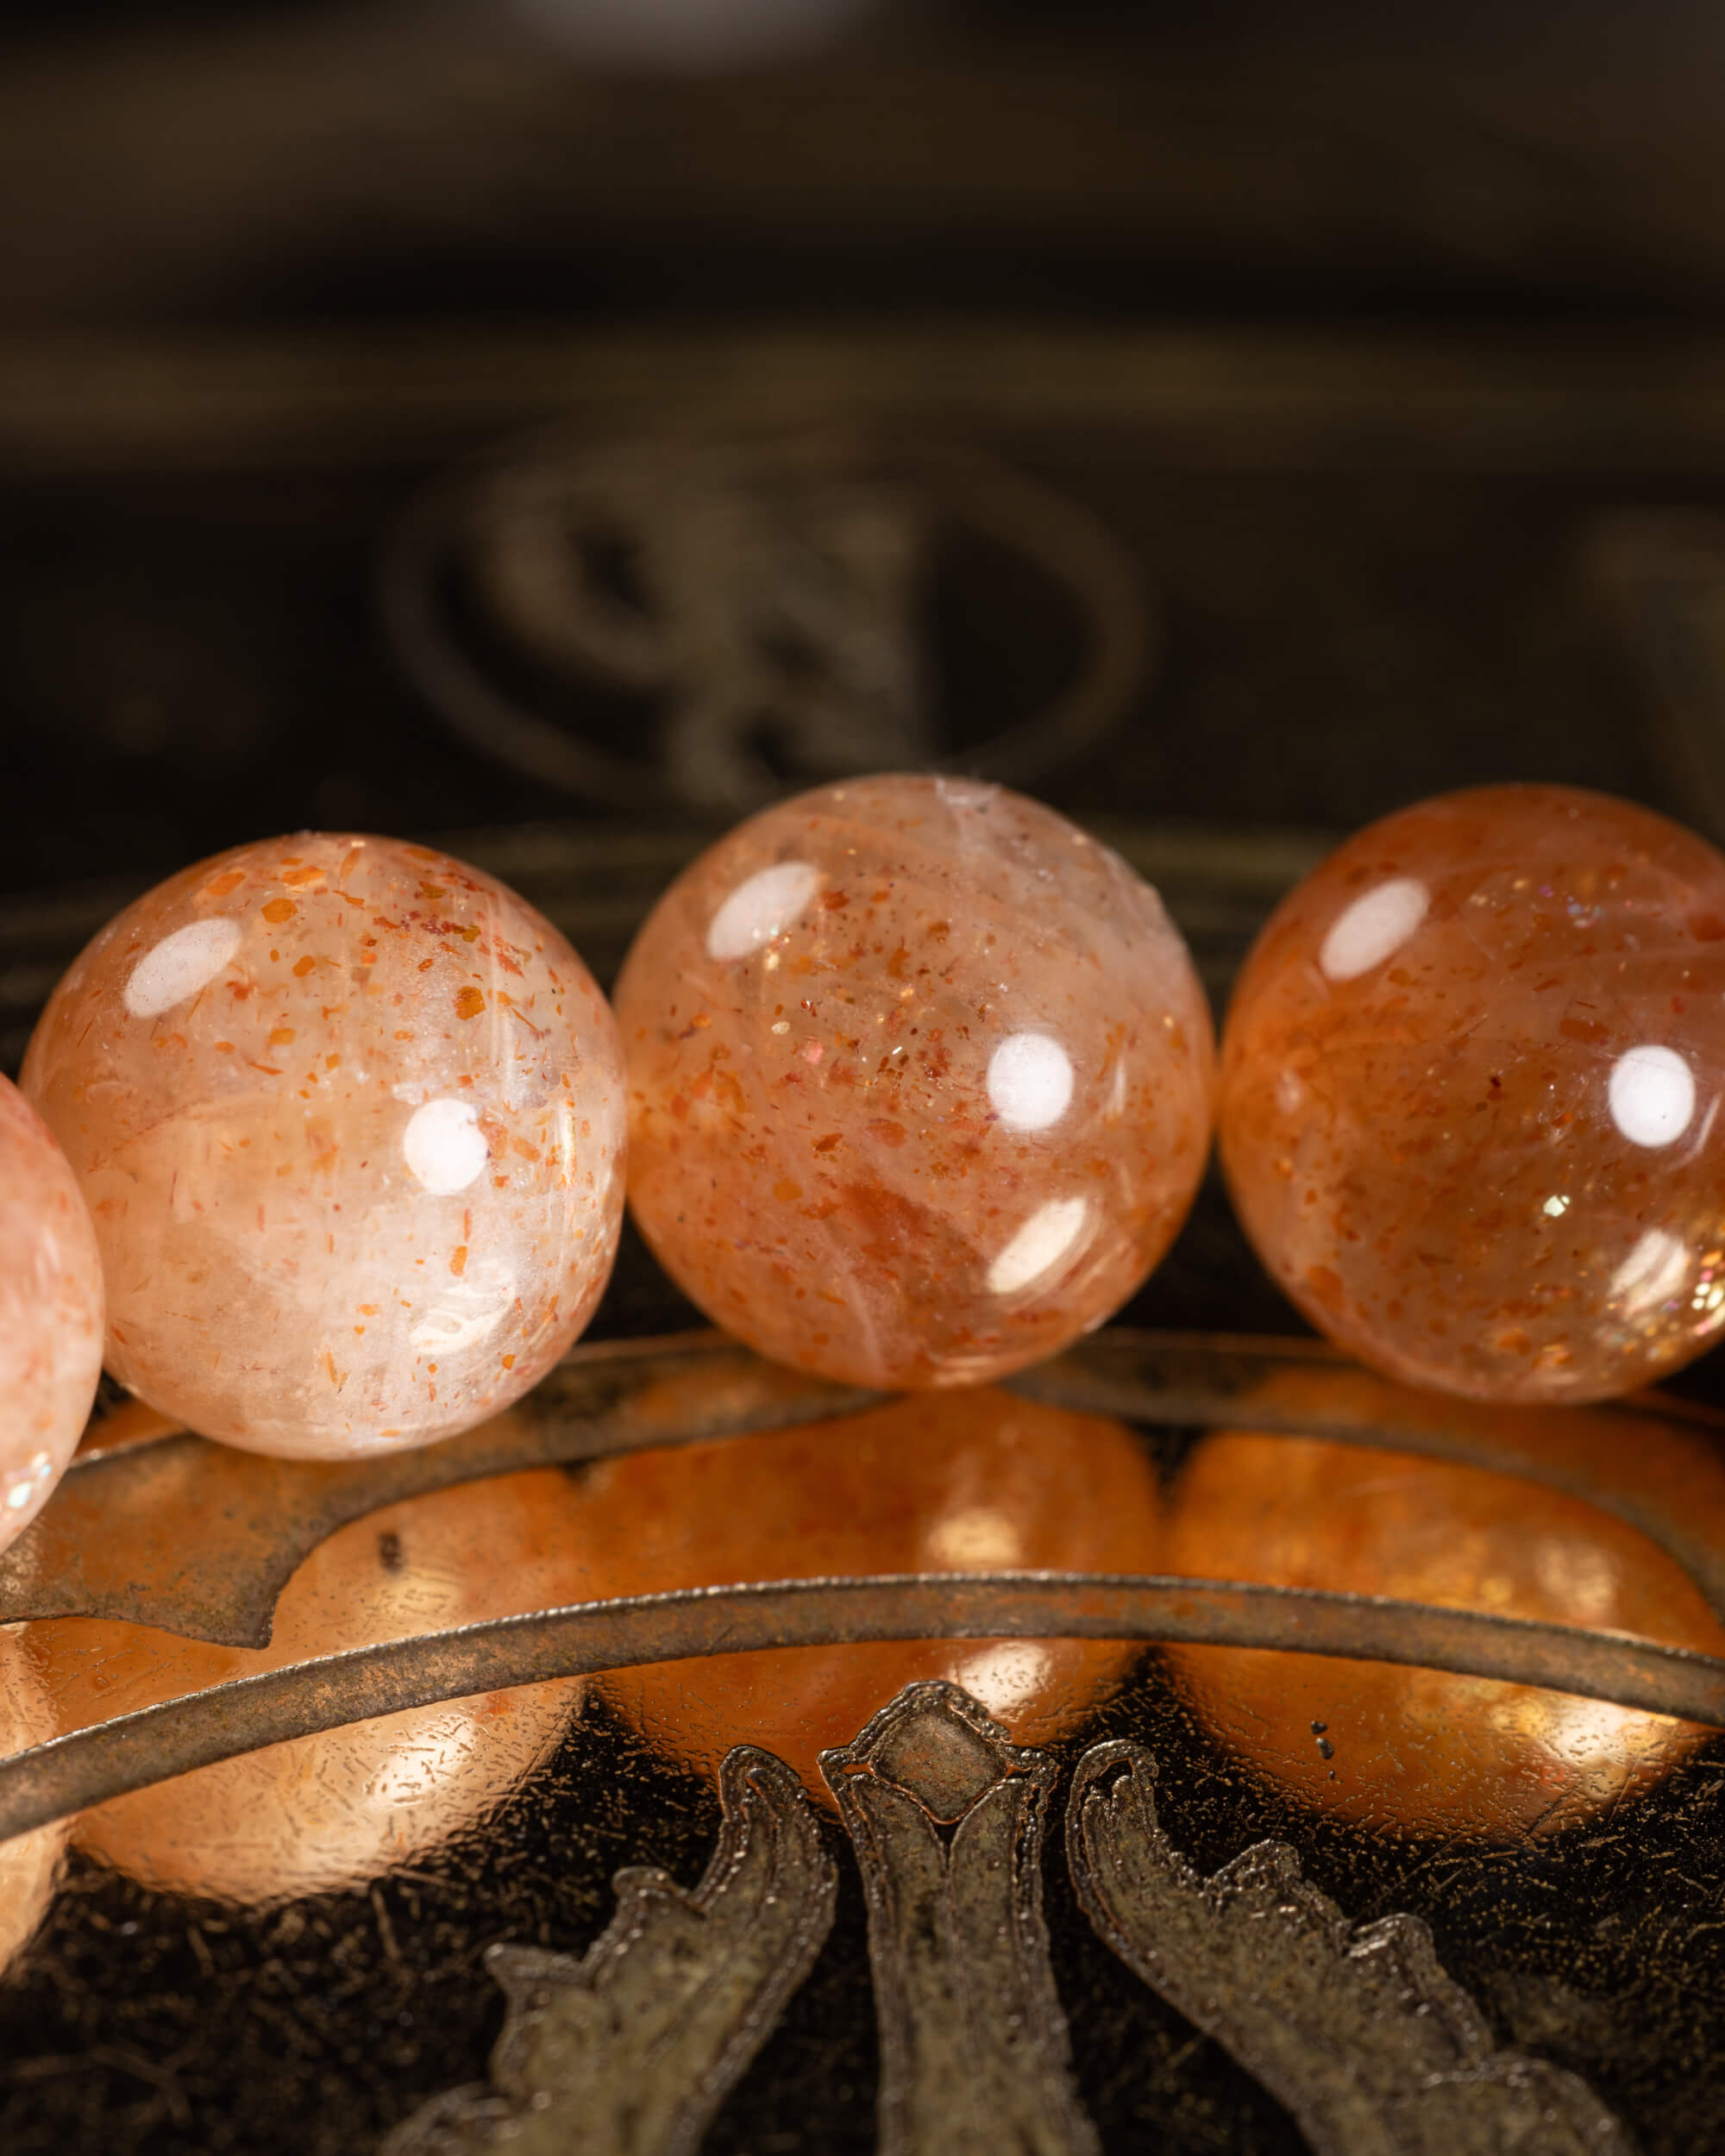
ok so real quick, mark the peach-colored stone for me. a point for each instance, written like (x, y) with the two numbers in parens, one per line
(50, 1312)
(961, 1481)
(919, 1081)
(1470, 1089)
(332, 1811)
(348, 1116)
(1419, 1750)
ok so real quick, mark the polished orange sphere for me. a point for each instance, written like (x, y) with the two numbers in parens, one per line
(51, 1312)
(972, 1481)
(1470, 1094)
(919, 1081)
(348, 1117)
(1417, 1750)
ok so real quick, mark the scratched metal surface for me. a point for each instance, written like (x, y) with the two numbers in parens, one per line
(1365, 579)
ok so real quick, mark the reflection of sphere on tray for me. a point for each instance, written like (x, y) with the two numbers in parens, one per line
(1469, 1089)
(50, 1312)
(348, 1117)
(1393, 1746)
(919, 1081)
(973, 1482)
(28, 1863)
(333, 1810)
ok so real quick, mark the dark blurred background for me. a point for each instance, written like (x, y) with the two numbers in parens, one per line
(555, 426)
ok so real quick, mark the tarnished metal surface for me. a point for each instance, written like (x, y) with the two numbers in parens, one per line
(632, 2049)
(1359, 2031)
(1306, 1388)
(134, 1750)
(947, 1819)
(241, 1522)
(1373, 2047)
(245, 1521)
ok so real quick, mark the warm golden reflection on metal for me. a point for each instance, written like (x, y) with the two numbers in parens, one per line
(334, 1810)
(175, 1532)
(1654, 1462)
(29, 1863)
(975, 1481)
(1425, 1749)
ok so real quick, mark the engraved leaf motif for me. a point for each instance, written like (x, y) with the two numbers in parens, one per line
(1359, 2030)
(632, 2049)
(948, 1819)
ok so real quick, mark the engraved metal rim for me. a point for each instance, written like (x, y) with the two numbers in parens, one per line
(591, 1408)
(68, 1774)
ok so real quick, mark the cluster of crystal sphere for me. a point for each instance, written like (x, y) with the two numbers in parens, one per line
(322, 1144)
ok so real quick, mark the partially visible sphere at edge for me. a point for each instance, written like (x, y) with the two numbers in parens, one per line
(1469, 1098)
(51, 1312)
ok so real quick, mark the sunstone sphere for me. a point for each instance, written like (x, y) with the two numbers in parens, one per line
(51, 1309)
(1470, 1094)
(919, 1081)
(348, 1116)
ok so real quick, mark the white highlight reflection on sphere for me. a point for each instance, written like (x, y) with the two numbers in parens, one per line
(1652, 1093)
(1654, 1272)
(1373, 928)
(1045, 1240)
(30, 1484)
(762, 908)
(181, 964)
(1030, 1082)
(444, 1146)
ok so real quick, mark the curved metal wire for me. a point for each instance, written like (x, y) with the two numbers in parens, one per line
(249, 1522)
(157, 1742)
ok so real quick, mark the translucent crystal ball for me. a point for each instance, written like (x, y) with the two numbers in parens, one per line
(1471, 1083)
(349, 1119)
(50, 1312)
(919, 1081)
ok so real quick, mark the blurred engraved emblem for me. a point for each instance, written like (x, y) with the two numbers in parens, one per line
(713, 624)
